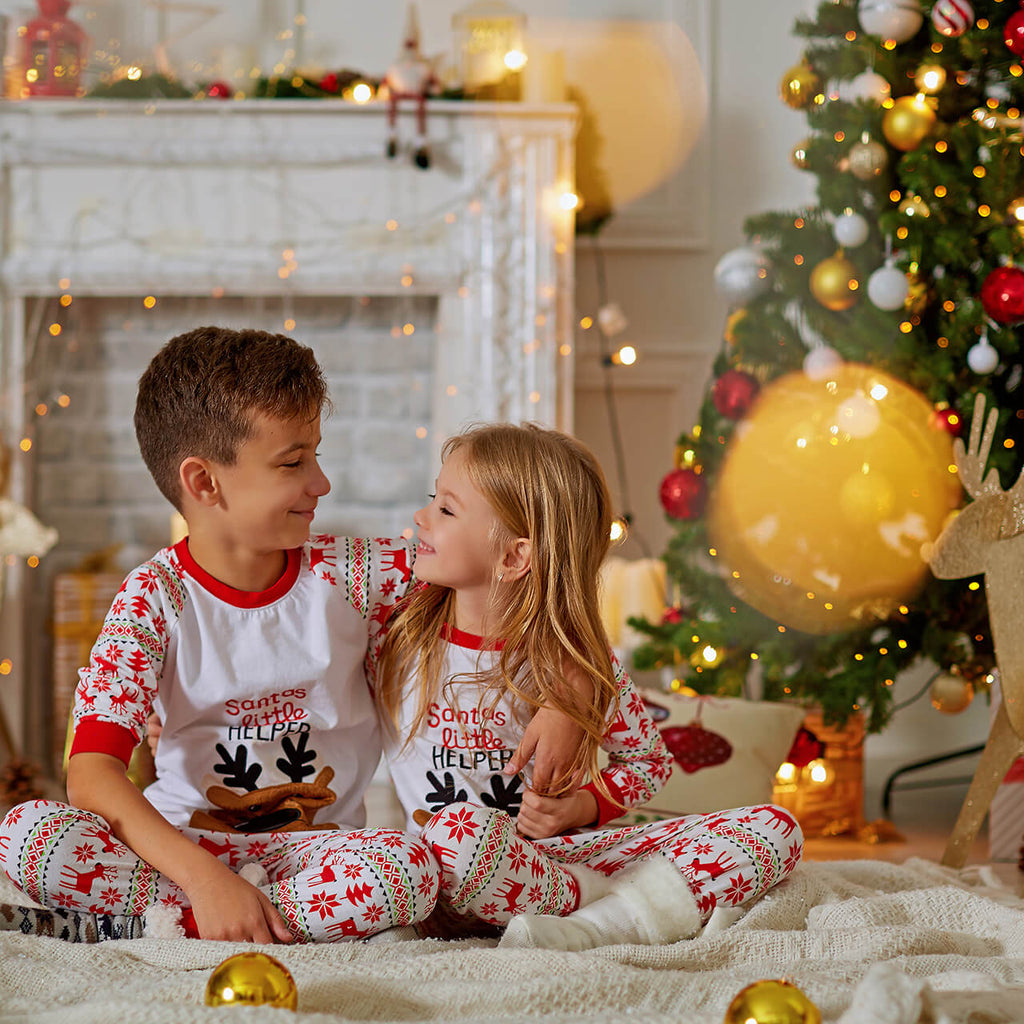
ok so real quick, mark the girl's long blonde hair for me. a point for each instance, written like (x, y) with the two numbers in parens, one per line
(547, 487)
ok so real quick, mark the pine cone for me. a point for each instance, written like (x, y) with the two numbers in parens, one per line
(18, 782)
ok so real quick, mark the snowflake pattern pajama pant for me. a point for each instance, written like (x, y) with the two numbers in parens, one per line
(490, 873)
(328, 885)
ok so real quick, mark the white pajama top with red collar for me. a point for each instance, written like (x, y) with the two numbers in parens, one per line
(460, 752)
(260, 694)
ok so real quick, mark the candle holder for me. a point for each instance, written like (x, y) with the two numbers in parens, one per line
(53, 51)
(489, 49)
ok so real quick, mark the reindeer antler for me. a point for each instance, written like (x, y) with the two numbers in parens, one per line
(970, 461)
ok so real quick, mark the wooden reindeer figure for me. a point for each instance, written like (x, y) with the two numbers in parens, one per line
(988, 537)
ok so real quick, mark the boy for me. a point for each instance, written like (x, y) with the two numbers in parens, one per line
(249, 641)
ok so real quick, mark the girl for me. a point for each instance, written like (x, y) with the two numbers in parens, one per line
(507, 609)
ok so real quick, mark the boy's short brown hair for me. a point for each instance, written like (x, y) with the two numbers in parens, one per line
(199, 392)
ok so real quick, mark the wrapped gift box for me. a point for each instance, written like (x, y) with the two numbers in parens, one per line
(80, 603)
(827, 795)
(1006, 816)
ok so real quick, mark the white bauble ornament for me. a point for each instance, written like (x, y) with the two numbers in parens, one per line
(868, 85)
(888, 287)
(820, 361)
(741, 275)
(898, 20)
(952, 17)
(982, 358)
(850, 229)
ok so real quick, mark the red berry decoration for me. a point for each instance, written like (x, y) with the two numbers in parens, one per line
(734, 392)
(219, 91)
(1002, 293)
(683, 494)
(1013, 33)
(672, 615)
(805, 749)
(695, 747)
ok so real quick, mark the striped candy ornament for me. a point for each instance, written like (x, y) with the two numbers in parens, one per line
(952, 17)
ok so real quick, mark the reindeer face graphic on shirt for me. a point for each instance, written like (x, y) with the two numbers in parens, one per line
(287, 807)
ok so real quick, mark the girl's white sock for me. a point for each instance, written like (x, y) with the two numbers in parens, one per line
(650, 904)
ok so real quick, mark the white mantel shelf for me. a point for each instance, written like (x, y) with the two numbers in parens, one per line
(283, 198)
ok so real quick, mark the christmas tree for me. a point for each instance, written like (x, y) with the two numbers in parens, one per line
(892, 301)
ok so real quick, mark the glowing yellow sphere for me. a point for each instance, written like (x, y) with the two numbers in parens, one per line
(772, 1002)
(252, 979)
(826, 495)
(908, 122)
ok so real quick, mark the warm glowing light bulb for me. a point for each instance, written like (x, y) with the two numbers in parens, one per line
(568, 201)
(619, 530)
(786, 774)
(515, 60)
(930, 78)
(627, 355)
(362, 93)
(134, 73)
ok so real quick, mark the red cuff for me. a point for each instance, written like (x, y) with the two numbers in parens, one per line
(607, 810)
(95, 736)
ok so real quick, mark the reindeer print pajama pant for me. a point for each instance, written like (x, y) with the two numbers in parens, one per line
(490, 873)
(328, 885)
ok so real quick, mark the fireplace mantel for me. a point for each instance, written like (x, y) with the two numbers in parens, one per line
(283, 198)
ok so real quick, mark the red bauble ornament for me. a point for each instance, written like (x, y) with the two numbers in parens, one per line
(219, 91)
(1013, 33)
(672, 615)
(734, 392)
(1002, 293)
(683, 494)
(805, 749)
(948, 420)
(329, 83)
(695, 747)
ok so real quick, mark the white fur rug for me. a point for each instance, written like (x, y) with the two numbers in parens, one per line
(868, 942)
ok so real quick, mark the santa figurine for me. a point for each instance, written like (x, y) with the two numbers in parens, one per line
(411, 77)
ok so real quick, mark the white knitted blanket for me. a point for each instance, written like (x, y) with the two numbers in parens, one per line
(868, 942)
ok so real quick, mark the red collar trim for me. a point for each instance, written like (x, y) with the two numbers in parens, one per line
(240, 598)
(460, 638)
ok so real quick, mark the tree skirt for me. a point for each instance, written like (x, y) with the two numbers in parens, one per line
(869, 942)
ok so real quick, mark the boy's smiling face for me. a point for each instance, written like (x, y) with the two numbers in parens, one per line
(271, 491)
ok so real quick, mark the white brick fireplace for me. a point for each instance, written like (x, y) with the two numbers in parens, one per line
(433, 298)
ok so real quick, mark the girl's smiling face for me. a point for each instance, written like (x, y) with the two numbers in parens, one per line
(458, 534)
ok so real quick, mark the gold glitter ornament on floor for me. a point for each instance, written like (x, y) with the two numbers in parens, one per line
(252, 979)
(772, 1002)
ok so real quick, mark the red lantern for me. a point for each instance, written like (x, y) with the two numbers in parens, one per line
(52, 52)
(683, 494)
(1002, 293)
(733, 393)
(1013, 33)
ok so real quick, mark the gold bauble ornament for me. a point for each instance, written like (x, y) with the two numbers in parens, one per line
(824, 500)
(729, 332)
(914, 206)
(772, 1002)
(799, 155)
(950, 693)
(907, 122)
(867, 159)
(252, 979)
(799, 85)
(918, 295)
(834, 283)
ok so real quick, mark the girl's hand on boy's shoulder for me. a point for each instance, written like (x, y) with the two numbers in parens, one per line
(553, 741)
(541, 817)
